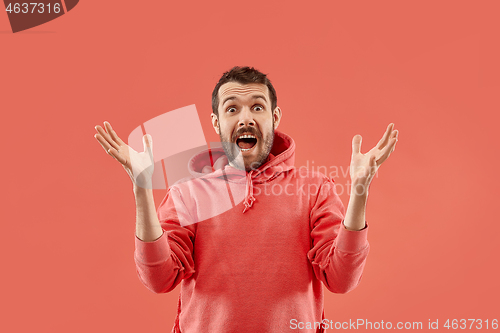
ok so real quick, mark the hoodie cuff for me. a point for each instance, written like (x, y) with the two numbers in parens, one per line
(352, 241)
(152, 252)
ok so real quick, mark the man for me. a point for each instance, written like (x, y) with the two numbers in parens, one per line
(250, 238)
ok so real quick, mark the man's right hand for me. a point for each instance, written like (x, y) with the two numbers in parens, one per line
(139, 166)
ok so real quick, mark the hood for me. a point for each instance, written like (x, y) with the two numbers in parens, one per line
(213, 163)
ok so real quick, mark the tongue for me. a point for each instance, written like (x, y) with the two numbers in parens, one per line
(245, 145)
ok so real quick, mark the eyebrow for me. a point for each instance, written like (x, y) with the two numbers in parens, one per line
(253, 97)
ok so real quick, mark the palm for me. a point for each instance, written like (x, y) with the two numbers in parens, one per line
(364, 166)
(138, 165)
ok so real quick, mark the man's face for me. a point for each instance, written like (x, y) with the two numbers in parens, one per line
(246, 123)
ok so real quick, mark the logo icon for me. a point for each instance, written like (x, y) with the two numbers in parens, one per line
(181, 156)
(177, 135)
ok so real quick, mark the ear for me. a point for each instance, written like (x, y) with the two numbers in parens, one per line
(276, 117)
(215, 123)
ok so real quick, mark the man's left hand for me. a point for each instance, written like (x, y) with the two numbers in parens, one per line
(364, 166)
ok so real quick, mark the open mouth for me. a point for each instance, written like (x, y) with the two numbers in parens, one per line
(246, 142)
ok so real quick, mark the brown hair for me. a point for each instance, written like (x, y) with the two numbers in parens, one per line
(243, 75)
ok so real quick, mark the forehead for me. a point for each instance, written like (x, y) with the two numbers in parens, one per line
(242, 91)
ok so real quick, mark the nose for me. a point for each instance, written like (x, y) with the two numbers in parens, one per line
(246, 118)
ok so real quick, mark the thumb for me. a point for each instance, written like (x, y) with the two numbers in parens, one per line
(356, 144)
(148, 143)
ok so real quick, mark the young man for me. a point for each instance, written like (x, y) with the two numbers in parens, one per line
(250, 238)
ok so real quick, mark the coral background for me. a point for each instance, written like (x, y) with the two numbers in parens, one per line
(339, 68)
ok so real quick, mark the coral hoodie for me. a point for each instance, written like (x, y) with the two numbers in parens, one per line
(252, 250)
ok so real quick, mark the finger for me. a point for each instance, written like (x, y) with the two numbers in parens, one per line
(148, 145)
(385, 138)
(119, 157)
(393, 140)
(356, 144)
(113, 134)
(107, 137)
(395, 134)
(147, 141)
(105, 145)
(387, 150)
(110, 150)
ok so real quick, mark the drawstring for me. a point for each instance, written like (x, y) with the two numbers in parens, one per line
(249, 198)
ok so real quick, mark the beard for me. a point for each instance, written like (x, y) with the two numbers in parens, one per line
(234, 154)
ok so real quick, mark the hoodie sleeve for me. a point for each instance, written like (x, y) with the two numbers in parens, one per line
(338, 255)
(164, 262)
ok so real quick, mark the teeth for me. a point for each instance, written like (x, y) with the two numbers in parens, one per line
(246, 136)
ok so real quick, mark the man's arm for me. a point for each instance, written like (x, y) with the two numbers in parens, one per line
(340, 245)
(161, 262)
(362, 170)
(165, 256)
(147, 226)
(338, 255)
(355, 215)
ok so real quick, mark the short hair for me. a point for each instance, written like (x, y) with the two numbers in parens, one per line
(243, 75)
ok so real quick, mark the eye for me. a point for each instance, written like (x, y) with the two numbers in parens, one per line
(259, 108)
(231, 109)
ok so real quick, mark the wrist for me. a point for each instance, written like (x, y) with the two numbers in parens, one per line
(354, 228)
(141, 191)
(359, 189)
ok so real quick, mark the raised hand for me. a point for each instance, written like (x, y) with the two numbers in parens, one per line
(139, 166)
(364, 166)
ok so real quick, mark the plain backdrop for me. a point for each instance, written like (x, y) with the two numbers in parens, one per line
(340, 68)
